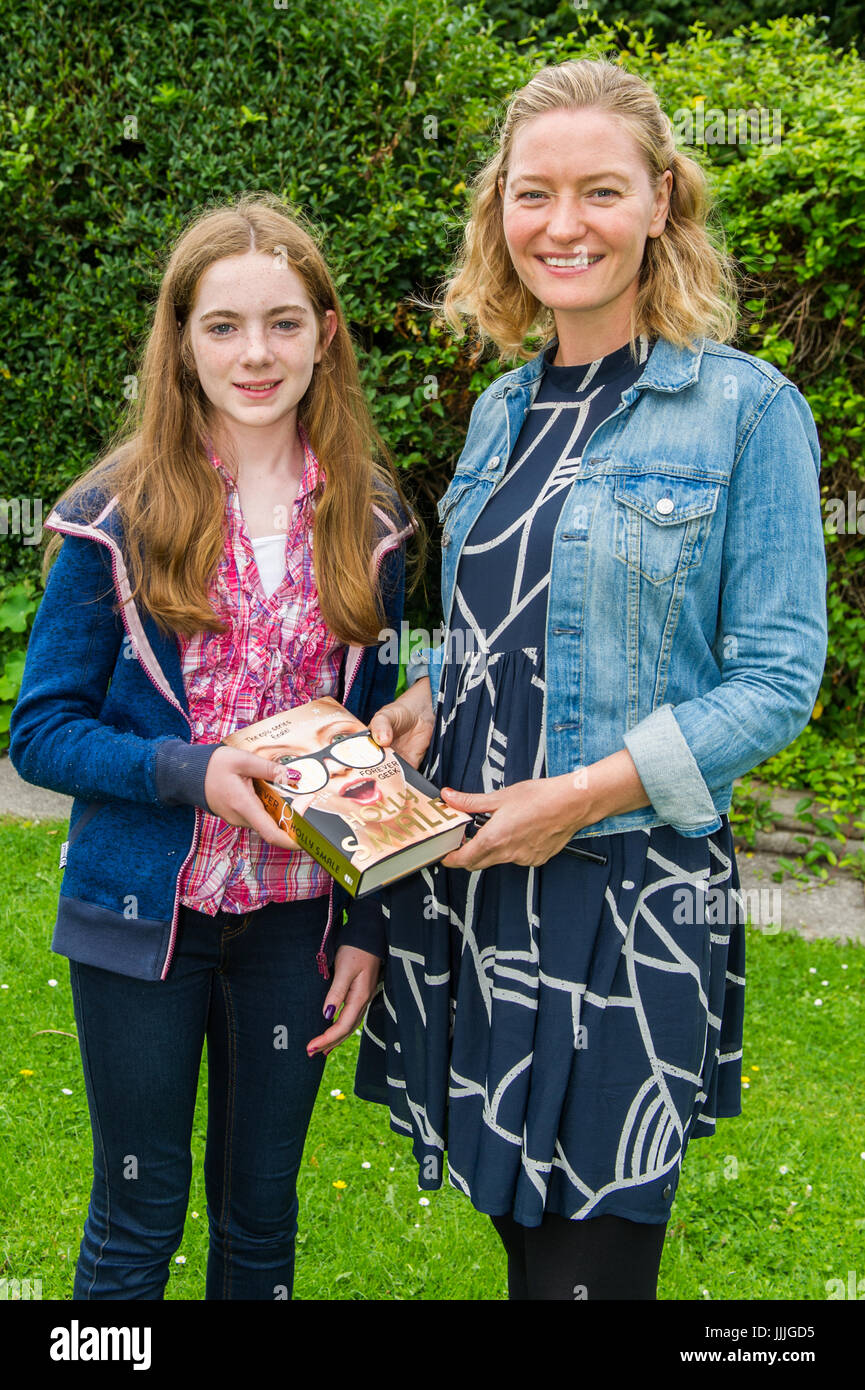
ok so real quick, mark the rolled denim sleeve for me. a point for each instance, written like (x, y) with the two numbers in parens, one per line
(436, 662)
(771, 641)
(427, 661)
(418, 666)
(671, 774)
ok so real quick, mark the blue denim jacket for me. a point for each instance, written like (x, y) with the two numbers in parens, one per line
(103, 717)
(687, 606)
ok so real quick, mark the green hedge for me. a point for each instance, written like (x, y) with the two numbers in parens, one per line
(843, 20)
(371, 115)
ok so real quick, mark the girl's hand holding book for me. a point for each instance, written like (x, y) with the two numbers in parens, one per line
(229, 793)
(407, 723)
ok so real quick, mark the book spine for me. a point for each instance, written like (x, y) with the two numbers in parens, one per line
(338, 865)
(276, 808)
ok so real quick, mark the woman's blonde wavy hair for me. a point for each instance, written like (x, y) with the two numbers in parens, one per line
(686, 287)
(172, 499)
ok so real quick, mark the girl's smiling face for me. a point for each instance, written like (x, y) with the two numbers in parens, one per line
(255, 339)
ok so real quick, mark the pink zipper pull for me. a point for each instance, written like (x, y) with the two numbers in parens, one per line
(321, 958)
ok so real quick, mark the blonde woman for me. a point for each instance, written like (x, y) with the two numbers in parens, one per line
(184, 604)
(633, 561)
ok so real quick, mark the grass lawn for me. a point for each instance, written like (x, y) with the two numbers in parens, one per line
(771, 1207)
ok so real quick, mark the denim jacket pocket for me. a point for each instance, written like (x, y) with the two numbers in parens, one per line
(662, 522)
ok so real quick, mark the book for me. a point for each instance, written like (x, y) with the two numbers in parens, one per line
(362, 812)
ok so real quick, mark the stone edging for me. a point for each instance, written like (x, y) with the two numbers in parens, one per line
(782, 840)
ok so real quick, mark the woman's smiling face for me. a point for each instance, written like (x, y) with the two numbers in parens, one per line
(577, 207)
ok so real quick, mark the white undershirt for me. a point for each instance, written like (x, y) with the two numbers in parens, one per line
(270, 559)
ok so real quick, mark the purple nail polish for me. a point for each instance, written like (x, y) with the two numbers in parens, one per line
(329, 1012)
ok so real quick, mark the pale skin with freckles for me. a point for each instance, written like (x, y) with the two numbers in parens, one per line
(253, 324)
(577, 207)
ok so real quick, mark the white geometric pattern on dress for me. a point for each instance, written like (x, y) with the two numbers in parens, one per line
(651, 1139)
(508, 983)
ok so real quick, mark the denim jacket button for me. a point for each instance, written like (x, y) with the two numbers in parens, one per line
(446, 540)
(664, 505)
(494, 461)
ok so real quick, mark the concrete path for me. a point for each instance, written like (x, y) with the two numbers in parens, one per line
(832, 909)
(835, 908)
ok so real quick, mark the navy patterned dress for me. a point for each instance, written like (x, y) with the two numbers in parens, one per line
(550, 1037)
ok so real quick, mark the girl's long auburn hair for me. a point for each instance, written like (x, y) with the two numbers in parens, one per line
(172, 499)
(686, 287)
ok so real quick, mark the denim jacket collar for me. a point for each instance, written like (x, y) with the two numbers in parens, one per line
(669, 368)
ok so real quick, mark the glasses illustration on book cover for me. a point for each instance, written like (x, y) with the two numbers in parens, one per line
(364, 813)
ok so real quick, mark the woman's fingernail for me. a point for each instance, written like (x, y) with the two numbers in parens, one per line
(329, 1012)
(311, 1051)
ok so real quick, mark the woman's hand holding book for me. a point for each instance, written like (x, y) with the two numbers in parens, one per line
(407, 723)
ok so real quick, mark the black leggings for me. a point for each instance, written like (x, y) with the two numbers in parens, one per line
(600, 1257)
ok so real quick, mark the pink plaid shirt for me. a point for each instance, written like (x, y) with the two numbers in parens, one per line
(278, 654)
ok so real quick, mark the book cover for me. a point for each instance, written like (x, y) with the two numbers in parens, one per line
(360, 810)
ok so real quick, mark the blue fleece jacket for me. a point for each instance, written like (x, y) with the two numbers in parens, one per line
(102, 716)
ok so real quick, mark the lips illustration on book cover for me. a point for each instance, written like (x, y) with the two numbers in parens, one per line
(360, 810)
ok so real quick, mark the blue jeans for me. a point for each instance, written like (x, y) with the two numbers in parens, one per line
(249, 984)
